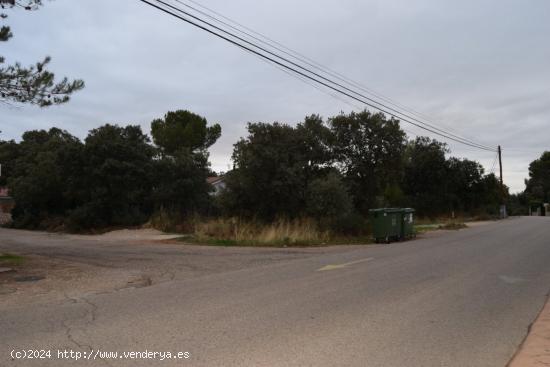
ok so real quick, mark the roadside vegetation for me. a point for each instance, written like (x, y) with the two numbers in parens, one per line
(537, 191)
(305, 184)
(236, 231)
(11, 260)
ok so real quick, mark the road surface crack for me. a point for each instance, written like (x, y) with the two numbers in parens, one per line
(92, 311)
(89, 317)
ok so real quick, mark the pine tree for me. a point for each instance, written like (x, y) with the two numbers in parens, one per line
(33, 84)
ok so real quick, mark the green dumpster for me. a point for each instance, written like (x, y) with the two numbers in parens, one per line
(386, 224)
(407, 227)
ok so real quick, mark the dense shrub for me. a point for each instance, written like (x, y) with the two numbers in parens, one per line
(330, 172)
(116, 177)
(328, 199)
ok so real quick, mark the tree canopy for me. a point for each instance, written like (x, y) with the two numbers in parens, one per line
(349, 164)
(426, 171)
(368, 149)
(183, 129)
(538, 184)
(115, 177)
(332, 171)
(114, 183)
(269, 178)
(38, 181)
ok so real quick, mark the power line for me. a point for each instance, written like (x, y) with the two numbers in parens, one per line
(494, 163)
(232, 41)
(308, 61)
(447, 134)
(335, 96)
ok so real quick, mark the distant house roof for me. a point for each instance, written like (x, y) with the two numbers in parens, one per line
(214, 179)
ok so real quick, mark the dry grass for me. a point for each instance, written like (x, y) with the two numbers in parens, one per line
(245, 232)
(280, 232)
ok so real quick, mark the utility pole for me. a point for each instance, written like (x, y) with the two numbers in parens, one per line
(500, 165)
(502, 204)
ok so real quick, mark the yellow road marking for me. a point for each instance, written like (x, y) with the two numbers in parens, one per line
(340, 266)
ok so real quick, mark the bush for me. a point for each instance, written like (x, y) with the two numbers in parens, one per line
(173, 221)
(85, 217)
(351, 224)
(328, 198)
(329, 202)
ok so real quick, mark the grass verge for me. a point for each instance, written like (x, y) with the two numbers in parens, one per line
(421, 228)
(448, 225)
(11, 260)
(453, 226)
(338, 241)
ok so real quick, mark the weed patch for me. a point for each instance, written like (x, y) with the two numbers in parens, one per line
(11, 260)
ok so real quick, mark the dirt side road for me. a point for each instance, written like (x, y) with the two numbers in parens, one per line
(59, 266)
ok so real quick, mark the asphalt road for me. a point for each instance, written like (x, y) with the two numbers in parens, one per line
(462, 298)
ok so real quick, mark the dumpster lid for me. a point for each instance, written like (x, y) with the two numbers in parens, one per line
(385, 210)
(392, 210)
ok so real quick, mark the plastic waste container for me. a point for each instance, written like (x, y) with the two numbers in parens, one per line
(407, 227)
(387, 224)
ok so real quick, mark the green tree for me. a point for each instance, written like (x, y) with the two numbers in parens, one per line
(368, 149)
(316, 141)
(274, 166)
(328, 198)
(518, 204)
(183, 130)
(491, 195)
(465, 184)
(425, 176)
(269, 175)
(538, 184)
(182, 166)
(117, 172)
(180, 183)
(34, 84)
(41, 176)
(9, 151)
(116, 178)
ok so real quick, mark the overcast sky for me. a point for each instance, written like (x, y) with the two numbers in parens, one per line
(480, 68)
